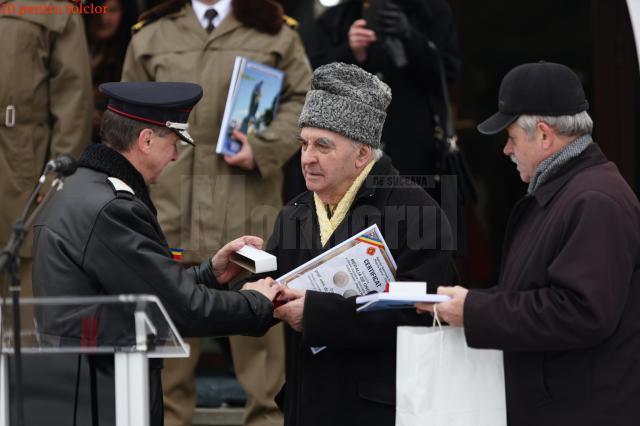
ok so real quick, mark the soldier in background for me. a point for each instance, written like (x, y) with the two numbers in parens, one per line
(204, 199)
(45, 106)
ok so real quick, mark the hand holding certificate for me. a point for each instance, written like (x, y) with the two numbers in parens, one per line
(400, 295)
(360, 265)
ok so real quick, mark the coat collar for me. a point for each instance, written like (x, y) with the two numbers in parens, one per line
(187, 20)
(304, 205)
(103, 159)
(591, 156)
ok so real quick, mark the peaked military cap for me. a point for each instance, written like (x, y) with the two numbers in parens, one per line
(161, 103)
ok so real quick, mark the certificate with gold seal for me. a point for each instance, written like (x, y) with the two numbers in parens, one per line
(360, 265)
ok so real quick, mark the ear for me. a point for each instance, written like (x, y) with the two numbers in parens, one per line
(363, 155)
(143, 144)
(547, 135)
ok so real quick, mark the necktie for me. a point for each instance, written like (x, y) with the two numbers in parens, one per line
(210, 14)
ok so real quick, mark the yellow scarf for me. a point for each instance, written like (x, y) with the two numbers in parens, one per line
(329, 225)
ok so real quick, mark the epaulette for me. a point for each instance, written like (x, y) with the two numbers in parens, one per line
(120, 188)
(157, 12)
(290, 22)
(138, 26)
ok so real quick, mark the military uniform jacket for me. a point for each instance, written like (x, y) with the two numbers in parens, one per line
(45, 100)
(202, 201)
(566, 311)
(99, 236)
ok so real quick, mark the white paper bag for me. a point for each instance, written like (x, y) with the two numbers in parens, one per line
(443, 382)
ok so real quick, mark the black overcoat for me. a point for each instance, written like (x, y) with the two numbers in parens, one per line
(94, 238)
(352, 381)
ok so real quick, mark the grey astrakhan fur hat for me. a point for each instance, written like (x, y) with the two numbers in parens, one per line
(347, 100)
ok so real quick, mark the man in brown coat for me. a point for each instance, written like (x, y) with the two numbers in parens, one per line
(566, 310)
(204, 199)
(45, 104)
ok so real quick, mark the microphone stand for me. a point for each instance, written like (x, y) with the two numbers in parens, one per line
(10, 262)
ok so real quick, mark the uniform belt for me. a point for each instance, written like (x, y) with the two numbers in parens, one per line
(11, 116)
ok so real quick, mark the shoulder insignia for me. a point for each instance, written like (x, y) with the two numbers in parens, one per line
(138, 26)
(165, 8)
(120, 186)
(290, 21)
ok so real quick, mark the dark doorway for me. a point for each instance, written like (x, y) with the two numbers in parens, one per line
(594, 38)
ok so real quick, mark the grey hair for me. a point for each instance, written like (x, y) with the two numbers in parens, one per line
(376, 153)
(565, 125)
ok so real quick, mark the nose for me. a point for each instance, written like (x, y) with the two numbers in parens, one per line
(508, 149)
(307, 157)
(174, 157)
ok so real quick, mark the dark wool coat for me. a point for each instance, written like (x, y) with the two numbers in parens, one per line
(566, 310)
(352, 381)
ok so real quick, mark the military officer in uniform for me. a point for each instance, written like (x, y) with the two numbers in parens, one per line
(204, 198)
(100, 235)
(45, 105)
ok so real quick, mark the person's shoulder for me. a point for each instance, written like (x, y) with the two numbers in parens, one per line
(397, 189)
(80, 200)
(54, 16)
(93, 186)
(151, 18)
(94, 189)
(290, 22)
(406, 192)
(600, 181)
(265, 16)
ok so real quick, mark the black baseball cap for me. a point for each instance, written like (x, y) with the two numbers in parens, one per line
(164, 104)
(542, 88)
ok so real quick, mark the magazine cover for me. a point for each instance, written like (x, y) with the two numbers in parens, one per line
(360, 265)
(252, 102)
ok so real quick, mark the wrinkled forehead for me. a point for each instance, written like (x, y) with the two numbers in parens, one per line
(315, 134)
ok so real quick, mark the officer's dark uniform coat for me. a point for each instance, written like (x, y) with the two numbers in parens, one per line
(99, 236)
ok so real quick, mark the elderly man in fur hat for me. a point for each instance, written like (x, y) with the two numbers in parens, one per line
(351, 185)
(204, 199)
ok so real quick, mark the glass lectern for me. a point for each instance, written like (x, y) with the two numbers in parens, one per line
(133, 328)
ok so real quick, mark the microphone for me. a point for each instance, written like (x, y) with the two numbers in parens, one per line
(64, 165)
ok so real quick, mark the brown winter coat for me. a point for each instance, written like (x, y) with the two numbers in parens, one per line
(46, 80)
(202, 201)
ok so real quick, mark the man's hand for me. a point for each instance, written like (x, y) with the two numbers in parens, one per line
(243, 158)
(292, 312)
(223, 269)
(359, 39)
(451, 312)
(394, 22)
(266, 286)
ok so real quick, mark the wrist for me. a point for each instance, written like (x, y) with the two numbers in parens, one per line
(215, 273)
